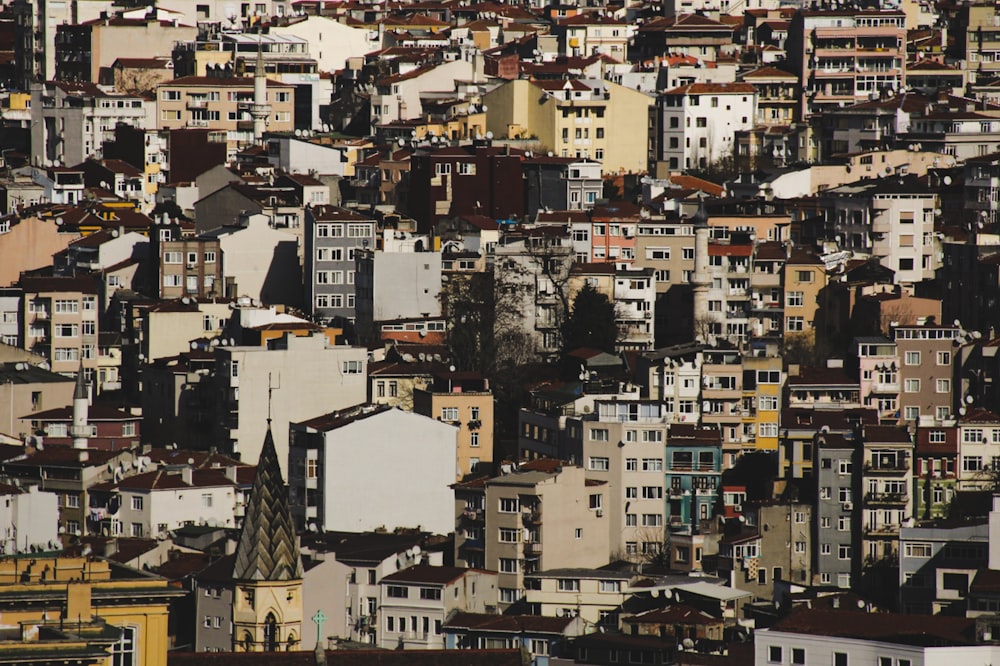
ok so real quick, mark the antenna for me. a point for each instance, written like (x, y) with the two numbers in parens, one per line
(270, 389)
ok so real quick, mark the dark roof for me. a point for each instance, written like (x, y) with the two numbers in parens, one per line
(37, 285)
(349, 658)
(268, 549)
(96, 412)
(30, 374)
(509, 623)
(987, 581)
(427, 574)
(815, 376)
(676, 614)
(920, 630)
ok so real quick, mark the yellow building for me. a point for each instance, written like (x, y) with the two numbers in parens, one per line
(463, 399)
(804, 280)
(583, 118)
(82, 610)
(762, 400)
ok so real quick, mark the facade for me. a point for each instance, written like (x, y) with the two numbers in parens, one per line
(291, 379)
(332, 238)
(60, 322)
(465, 401)
(698, 123)
(415, 602)
(835, 523)
(334, 486)
(26, 389)
(926, 358)
(395, 285)
(542, 516)
(938, 563)
(693, 475)
(593, 595)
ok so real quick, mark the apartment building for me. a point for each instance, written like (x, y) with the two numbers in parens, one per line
(722, 394)
(778, 94)
(836, 523)
(938, 562)
(189, 267)
(542, 516)
(415, 602)
(288, 380)
(935, 471)
(926, 357)
(75, 119)
(60, 322)
(465, 401)
(622, 444)
(886, 478)
(222, 104)
(698, 123)
(803, 280)
(878, 374)
(978, 448)
(729, 293)
(673, 377)
(594, 595)
(331, 237)
(580, 118)
(693, 476)
(982, 41)
(395, 285)
(844, 55)
(334, 487)
(763, 394)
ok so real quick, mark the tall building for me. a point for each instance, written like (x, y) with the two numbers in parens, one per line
(267, 603)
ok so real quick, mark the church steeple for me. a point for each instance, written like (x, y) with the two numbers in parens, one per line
(267, 608)
(268, 549)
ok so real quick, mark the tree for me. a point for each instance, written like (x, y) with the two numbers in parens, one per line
(591, 322)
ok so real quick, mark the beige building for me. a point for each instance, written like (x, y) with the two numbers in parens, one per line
(594, 595)
(583, 118)
(465, 401)
(542, 516)
(190, 267)
(222, 104)
(804, 280)
(60, 321)
(169, 327)
(26, 389)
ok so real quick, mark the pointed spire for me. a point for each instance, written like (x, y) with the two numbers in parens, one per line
(81, 385)
(268, 549)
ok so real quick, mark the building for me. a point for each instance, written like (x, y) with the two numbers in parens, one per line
(926, 355)
(334, 486)
(540, 636)
(542, 516)
(332, 238)
(938, 562)
(60, 322)
(290, 379)
(935, 471)
(31, 519)
(76, 119)
(25, 389)
(415, 602)
(579, 118)
(698, 123)
(392, 285)
(594, 595)
(465, 401)
(836, 522)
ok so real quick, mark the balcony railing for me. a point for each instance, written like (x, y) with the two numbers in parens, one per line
(533, 548)
(886, 498)
(897, 467)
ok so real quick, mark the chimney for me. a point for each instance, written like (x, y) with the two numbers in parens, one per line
(231, 472)
(187, 475)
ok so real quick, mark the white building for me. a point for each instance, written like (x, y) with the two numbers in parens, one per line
(396, 285)
(291, 379)
(331, 42)
(156, 502)
(372, 467)
(29, 519)
(397, 97)
(260, 261)
(699, 122)
(301, 155)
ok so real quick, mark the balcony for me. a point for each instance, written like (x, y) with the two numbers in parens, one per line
(197, 103)
(533, 548)
(474, 515)
(473, 544)
(898, 467)
(691, 467)
(894, 499)
(197, 123)
(885, 387)
(532, 517)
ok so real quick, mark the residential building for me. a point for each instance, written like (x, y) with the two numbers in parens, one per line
(291, 379)
(60, 321)
(593, 595)
(763, 393)
(190, 267)
(542, 516)
(845, 55)
(392, 285)
(777, 96)
(330, 470)
(775, 547)
(332, 238)
(938, 561)
(926, 358)
(878, 370)
(978, 448)
(581, 118)
(697, 123)
(415, 602)
(621, 442)
(31, 519)
(107, 427)
(823, 388)
(397, 96)
(803, 279)
(836, 522)
(541, 637)
(75, 119)
(465, 401)
(935, 471)
(693, 475)
(25, 389)
(592, 33)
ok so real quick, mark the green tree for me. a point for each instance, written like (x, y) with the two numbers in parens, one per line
(591, 322)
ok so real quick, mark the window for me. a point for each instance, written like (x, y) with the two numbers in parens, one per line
(911, 386)
(631, 464)
(844, 552)
(353, 367)
(798, 656)
(804, 276)
(449, 413)
(397, 591)
(840, 659)
(652, 492)
(123, 651)
(795, 324)
(768, 403)
(942, 386)
(918, 550)
(598, 463)
(508, 565)
(431, 593)
(509, 535)
(509, 505)
(599, 434)
(613, 586)
(63, 306)
(944, 358)
(72, 501)
(795, 299)
(136, 503)
(774, 655)
(569, 585)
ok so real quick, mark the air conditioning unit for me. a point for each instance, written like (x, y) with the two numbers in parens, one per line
(848, 506)
(600, 513)
(192, 265)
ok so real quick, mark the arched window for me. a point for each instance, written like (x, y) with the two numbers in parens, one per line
(270, 633)
(247, 641)
(292, 641)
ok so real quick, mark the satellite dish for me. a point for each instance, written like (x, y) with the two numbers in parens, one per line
(401, 141)
(485, 108)
(688, 644)
(298, 132)
(489, 135)
(861, 603)
(946, 180)
(194, 345)
(969, 399)
(961, 411)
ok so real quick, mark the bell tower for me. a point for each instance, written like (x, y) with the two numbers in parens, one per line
(267, 575)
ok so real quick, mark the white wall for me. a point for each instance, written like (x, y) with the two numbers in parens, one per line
(393, 469)
(263, 261)
(331, 43)
(28, 518)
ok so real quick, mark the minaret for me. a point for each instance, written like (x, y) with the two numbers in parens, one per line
(267, 601)
(80, 430)
(260, 109)
(700, 279)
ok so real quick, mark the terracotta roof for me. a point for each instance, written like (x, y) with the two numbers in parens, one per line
(920, 630)
(536, 624)
(713, 89)
(427, 574)
(350, 658)
(228, 82)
